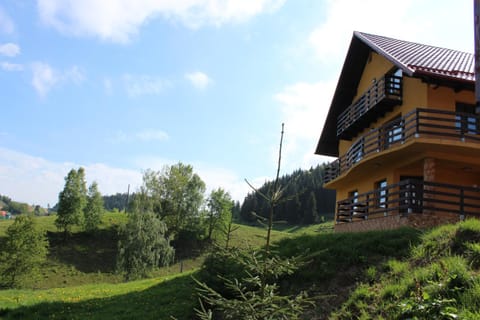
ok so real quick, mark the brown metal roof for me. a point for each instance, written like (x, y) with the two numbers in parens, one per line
(432, 64)
(416, 58)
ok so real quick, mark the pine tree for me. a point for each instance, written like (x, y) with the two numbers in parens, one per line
(94, 208)
(310, 215)
(24, 250)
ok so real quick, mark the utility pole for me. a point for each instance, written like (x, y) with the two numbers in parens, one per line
(476, 21)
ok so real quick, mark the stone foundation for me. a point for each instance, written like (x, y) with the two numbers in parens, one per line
(419, 221)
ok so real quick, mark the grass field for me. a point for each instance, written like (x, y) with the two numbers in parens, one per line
(157, 298)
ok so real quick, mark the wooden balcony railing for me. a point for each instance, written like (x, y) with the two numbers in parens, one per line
(385, 93)
(411, 196)
(428, 123)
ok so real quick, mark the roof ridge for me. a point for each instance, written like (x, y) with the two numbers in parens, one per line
(366, 34)
(415, 58)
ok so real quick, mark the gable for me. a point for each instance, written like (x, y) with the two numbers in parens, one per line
(431, 64)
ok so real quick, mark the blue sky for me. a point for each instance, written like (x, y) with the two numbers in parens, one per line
(120, 86)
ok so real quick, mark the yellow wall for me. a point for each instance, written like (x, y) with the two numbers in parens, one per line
(375, 68)
(445, 98)
(414, 95)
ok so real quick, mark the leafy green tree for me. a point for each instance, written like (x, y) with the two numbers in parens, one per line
(176, 194)
(24, 250)
(17, 208)
(94, 209)
(219, 212)
(143, 245)
(71, 201)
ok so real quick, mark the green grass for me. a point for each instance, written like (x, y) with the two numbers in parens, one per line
(158, 298)
(439, 277)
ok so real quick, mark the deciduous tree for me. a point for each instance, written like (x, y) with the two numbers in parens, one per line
(94, 208)
(24, 250)
(71, 201)
(219, 210)
(143, 245)
(176, 194)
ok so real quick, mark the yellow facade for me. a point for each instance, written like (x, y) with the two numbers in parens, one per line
(453, 161)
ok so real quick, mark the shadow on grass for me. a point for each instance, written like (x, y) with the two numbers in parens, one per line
(170, 298)
(87, 252)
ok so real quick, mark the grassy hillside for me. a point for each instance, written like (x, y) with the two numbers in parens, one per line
(79, 280)
(399, 274)
(439, 279)
(90, 258)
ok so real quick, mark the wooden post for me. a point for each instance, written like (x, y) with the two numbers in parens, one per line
(476, 21)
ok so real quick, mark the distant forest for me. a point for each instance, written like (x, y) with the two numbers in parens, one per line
(305, 200)
(117, 201)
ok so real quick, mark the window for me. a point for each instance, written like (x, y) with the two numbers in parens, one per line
(411, 194)
(394, 82)
(394, 131)
(353, 195)
(356, 151)
(381, 192)
(465, 121)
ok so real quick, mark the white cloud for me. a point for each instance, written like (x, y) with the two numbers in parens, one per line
(7, 66)
(222, 178)
(36, 180)
(46, 77)
(74, 74)
(139, 85)
(304, 108)
(119, 20)
(6, 24)
(198, 79)
(9, 49)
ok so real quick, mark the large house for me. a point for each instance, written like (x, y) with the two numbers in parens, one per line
(404, 129)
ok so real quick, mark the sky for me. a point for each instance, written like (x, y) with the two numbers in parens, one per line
(120, 86)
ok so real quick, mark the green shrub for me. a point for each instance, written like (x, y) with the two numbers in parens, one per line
(219, 265)
(24, 250)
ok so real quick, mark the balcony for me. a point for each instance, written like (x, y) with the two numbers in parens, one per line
(411, 196)
(428, 123)
(380, 98)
